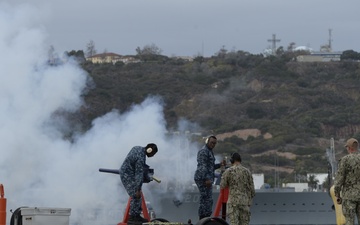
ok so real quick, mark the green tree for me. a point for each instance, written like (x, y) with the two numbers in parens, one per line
(51, 54)
(78, 55)
(90, 49)
(148, 51)
(312, 182)
(350, 55)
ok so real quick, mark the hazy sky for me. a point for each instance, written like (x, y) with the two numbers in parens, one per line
(189, 27)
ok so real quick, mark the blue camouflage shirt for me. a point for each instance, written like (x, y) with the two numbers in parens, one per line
(205, 165)
(132, 169)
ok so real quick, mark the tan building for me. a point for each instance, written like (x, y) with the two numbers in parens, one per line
(110, 57)
(320, 57)
(185, 58)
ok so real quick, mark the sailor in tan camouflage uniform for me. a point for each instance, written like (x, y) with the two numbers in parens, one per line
(347, 182)
(241, 191)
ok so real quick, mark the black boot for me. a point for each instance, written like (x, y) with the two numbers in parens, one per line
(141, 219)
(132, 220)
(136, 220)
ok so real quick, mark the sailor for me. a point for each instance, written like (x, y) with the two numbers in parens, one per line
(347, 183)
(132, 177)
(241, 191)
(204, 176)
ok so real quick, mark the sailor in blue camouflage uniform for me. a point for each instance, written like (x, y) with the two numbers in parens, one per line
(132, 177)
(241, 191)
(204, 176)
(347, 182)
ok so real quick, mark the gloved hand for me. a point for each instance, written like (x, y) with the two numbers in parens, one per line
(223, 162)
(208, 183)
(138, 194)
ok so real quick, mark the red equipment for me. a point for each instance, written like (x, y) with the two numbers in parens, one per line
(2, 206)
(127, 210)
(221, 203)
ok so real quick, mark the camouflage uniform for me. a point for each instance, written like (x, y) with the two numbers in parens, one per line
(205, 171)
(347, 186)
(241, 192)
(132, 175)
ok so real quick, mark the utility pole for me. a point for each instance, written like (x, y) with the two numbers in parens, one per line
(330, 40)
(273, 41)
(276, 175)
(330, 152)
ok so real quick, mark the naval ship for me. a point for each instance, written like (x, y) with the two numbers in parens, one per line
(269, 207)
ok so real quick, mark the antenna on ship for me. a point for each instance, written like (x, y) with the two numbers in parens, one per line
(327, 47)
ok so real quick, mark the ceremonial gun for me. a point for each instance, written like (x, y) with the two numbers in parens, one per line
(148, 173)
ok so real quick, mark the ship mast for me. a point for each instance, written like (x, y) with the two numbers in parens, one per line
(330, 152)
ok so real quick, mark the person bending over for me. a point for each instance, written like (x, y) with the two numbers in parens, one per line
(132, 177)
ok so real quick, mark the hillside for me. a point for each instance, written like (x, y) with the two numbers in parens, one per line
(292, 108)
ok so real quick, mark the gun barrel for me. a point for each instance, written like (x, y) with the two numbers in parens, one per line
(109, 171)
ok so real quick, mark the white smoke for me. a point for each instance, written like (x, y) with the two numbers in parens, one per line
(39, 168)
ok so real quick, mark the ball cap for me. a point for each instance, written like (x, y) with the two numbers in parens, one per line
(350, 142)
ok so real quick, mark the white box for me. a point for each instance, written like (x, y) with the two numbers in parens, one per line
(45, 216)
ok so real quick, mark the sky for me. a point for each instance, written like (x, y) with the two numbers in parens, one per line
(41, 168)
(201, 27)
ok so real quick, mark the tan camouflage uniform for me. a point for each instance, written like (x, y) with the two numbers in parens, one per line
(241, 192)
(347, 186)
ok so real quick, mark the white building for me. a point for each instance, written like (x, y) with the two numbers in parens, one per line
(299, 187)
(258, 180)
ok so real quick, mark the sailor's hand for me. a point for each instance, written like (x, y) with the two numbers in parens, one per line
(208, 183)
(338, 200)
(138, 194)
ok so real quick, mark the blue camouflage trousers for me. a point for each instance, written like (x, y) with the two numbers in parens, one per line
(350, 209)
(238, 214)
(135, 203)
(206, 200)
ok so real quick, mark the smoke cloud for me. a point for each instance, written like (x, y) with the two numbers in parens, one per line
(38, 167)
